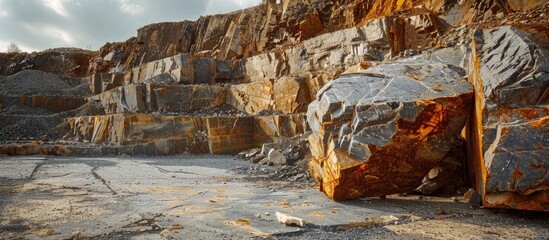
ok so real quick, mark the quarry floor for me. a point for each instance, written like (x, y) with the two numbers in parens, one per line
(201, 197)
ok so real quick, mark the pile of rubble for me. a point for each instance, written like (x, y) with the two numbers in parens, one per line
(385, 89)
(289, 156)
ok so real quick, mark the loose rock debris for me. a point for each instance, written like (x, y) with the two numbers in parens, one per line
(364, 98)
(289, 220)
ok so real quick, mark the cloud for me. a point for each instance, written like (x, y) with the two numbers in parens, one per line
(43, 24)
(131, 8)
(56, 6)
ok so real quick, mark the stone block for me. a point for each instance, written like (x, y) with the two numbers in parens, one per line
(507, 136)
(379, 132)
(252, 97)
(159, 97)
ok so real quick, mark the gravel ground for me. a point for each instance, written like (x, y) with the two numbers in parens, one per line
(34, 123)
(34, 82)
(47, 198)
(484, 224)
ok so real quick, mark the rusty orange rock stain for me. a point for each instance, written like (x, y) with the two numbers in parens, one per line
(283, 204)
(530, 205)
(242, 222)
(317, 214)
(170, 189)
(504, 132)
(529, 113)
(542, 122)
(413, 77)
(518, 174)
(365, 65)
(176, 226)
(536, 166)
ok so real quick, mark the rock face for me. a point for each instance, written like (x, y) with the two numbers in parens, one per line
(508, 135)
(275, 24)
(380, 131)
(34, 102)
(152, 134)
(228, 82)
(163, 98)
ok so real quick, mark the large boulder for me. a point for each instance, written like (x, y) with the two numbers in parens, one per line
(379, 132)
(508, 135)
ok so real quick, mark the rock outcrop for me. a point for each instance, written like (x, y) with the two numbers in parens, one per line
(70, 62)
(380, 131)
(509, 133)
(161, 98)
(151, 134)
(383, 83)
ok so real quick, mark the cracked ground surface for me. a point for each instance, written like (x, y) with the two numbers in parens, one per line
(200, 197)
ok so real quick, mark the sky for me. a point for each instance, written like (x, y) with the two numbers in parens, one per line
(37, 25)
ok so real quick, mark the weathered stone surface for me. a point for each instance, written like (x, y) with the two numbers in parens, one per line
(310, 27)
(167, 135)
(179, 67)
(379, 132)
(508, 135)
(177, 98)
(473, 198)
(375, 133)
(101, 82)
(161, 40)
(468, 11)
(291, 95)
(253, 97)
(249, 32)
(153, 42)
(158, 97)
(306, 66)
(457, 55)
(268, 129)
(183, 69)
(287, 95)
(55, 104)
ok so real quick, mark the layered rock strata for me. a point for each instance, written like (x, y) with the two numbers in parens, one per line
(151, 134)
(278, 24)
(161, 98)
(380, 131)
(508, 135)
(231, 81)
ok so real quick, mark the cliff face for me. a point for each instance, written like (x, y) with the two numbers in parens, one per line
(252, 31)
(385, 87)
